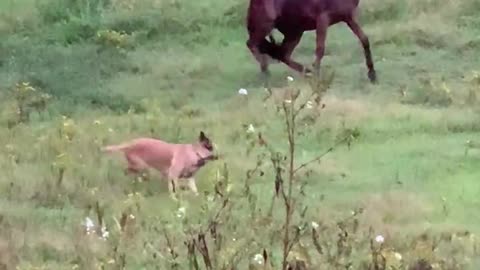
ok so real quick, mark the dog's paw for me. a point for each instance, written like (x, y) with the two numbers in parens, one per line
(174, 197)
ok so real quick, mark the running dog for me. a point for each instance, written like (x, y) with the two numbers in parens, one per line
(173, 161)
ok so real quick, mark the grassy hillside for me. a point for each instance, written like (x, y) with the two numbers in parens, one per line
(79, 74)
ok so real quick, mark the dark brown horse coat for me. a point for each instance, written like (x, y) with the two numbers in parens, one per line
(292, 18)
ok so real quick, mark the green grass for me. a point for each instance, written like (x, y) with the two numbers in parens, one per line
(180, 74)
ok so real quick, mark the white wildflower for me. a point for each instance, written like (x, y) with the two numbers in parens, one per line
(309, 104)
(379, 239)
(288, 101)
(234, 239)
(243, 91)
(258, 258)
(315, 225)
(398, 256)
(250, 129)
(181, 212)
(290, 78)
(132, 216)
(89, 225)
(105, 233)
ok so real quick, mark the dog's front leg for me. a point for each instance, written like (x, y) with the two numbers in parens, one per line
(173, 176)
(172, 186)
(192, 185)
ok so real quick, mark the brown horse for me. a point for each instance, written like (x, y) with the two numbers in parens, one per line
(292, 18)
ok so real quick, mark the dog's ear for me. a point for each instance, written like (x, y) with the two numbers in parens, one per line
(202, 137)
(205, 141)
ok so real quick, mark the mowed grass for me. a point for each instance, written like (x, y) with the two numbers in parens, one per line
(408, 168)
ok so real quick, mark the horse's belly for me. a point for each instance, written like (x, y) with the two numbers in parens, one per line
(296, 24)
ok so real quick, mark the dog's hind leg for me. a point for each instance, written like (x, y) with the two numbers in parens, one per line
(135, 165)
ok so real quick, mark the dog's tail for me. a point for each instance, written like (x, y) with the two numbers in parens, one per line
(115, 148)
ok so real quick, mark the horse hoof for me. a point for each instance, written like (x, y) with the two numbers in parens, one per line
(372, 76)
(308, 73)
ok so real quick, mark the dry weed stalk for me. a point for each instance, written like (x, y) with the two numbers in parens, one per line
(284, 185)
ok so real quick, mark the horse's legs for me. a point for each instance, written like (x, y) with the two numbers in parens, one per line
(357, 30)
(321, 31)
(288, 45)
(253, 42)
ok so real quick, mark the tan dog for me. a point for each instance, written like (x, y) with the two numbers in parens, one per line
(173, 161)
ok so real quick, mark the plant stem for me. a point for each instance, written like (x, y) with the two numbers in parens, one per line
(290, 121)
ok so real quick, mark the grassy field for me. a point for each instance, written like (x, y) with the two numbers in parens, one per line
(71, 83)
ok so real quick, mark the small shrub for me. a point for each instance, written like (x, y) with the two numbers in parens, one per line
(26, 99)
(382, 11)
(73, 31)
(473, 96)
(430, 93)
(112, 38)
(55, 11)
